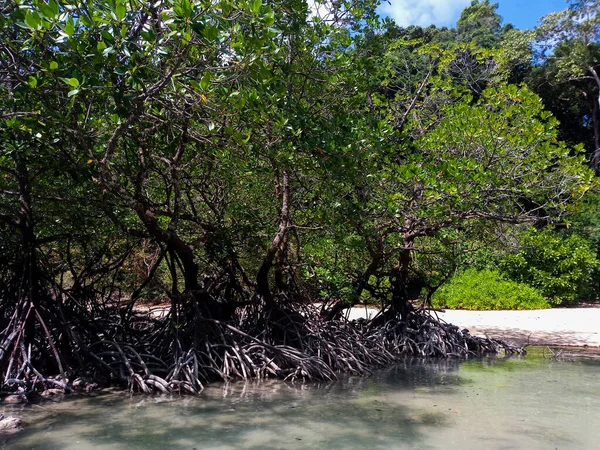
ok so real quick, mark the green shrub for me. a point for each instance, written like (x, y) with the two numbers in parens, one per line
(560, 266)
(486, 289)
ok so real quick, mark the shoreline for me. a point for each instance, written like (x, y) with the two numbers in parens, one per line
(561, 327)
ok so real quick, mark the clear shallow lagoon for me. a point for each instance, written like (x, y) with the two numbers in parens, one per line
(492, 403)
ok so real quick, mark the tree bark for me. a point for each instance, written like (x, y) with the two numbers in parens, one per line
(376, 253)
(25, 222)
(399, 281)
(595, 157)
(263, 289)
(31, 275)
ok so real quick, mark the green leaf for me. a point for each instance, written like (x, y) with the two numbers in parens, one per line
(108, 37)
(101, 46)
(120, 11)
(32, 20)
(255, 6)
(32, 81)
(47, 11)
(73, 92)
(54, 6)
(205, 82)
(149, 36)
(85, 20)
(69, 28)
(273, 32)
(210, 32)
(186, 8)
(53, 65)
(269, 19)
(23, 25)
(73, 82)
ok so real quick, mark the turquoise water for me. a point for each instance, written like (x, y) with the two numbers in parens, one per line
(530, 403)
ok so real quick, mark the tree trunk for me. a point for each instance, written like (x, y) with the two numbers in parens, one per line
(189, 268)
(399, 281)
(31, 275)
(281, 259)
(362, 281)
(175, 244)
(595, 157)
(263, 289)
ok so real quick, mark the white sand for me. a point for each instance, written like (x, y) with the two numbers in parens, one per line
(565, 327)
(560, 327)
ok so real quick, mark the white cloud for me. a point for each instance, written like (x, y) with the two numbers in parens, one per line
(423, 12)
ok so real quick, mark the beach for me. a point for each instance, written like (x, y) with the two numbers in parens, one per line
(564, 327)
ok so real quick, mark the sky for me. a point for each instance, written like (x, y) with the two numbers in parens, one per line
(521, 13)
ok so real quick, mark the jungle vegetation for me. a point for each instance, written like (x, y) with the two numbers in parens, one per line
(242, 160)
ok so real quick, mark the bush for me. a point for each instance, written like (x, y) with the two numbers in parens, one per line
(486, 289)
(560, 266)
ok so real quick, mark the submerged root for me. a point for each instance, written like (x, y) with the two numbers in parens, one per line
(154, 356)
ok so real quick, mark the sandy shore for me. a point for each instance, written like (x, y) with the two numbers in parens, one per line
(560, 327)
(564, 327)
(557, 327)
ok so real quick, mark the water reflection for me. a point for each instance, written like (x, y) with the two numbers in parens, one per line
(496, 403)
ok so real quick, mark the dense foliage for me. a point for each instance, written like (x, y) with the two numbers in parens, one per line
(240, 160)
(487, 290)
(561, 267)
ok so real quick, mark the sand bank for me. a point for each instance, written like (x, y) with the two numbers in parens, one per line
(557, 327)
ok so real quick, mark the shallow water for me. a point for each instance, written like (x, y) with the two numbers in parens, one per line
(531, 402)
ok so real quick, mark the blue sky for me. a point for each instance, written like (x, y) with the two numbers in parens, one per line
(521, 13)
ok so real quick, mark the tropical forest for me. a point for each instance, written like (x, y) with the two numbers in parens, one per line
(257, 169)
